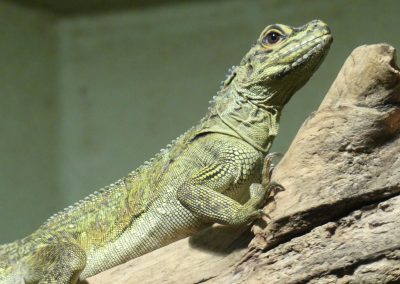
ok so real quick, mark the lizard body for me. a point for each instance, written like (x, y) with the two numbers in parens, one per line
(207, 175)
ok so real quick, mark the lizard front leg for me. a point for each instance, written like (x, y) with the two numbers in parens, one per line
(201, 194)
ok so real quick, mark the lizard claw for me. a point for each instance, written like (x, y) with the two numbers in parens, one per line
(269, 158)
(264, 214)
(268, 168)
(275, 187)
(273, 155)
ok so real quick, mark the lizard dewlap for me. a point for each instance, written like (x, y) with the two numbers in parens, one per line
(210, 174)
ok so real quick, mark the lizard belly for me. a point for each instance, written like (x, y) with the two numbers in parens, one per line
(166, 221)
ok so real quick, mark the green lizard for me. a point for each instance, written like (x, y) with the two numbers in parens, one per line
(210, 174)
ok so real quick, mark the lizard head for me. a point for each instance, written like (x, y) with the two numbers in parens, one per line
(283, 60)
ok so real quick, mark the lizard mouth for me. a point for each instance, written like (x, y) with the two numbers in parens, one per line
(314, 50)
(317, 46)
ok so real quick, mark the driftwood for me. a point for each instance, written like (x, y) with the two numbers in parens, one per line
(338, 219)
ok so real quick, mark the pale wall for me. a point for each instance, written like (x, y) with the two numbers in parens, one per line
(28, 120)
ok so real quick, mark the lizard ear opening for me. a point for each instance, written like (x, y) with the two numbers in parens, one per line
(249, 69)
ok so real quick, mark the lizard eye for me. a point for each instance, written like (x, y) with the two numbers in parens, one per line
(272, 37)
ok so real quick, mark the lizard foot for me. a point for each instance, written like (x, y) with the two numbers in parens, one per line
(268, 168)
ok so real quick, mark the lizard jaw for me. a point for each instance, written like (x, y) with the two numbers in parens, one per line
(318, 51)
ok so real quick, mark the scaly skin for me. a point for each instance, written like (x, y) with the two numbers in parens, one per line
(202, 178)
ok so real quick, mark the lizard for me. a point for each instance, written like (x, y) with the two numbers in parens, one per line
(214, 173)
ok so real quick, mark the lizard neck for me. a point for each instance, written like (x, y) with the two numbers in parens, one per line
(248, 115)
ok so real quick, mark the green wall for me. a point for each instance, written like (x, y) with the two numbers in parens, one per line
(29, 120)
(121, 85)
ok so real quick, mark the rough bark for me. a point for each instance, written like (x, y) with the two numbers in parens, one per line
(337, 221)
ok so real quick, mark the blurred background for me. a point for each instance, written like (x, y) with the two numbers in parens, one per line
(91, 89)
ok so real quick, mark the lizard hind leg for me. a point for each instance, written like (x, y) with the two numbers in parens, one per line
(60, 263)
